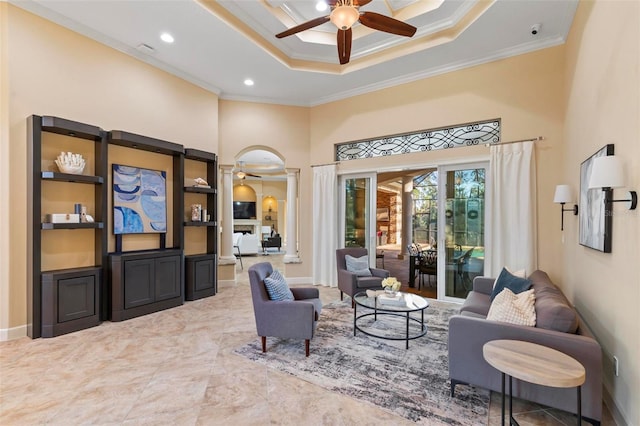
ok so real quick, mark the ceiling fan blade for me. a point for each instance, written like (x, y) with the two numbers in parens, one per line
(252, 175)
(344, 45)
(357, 3)
(386, 24)
(305, 26)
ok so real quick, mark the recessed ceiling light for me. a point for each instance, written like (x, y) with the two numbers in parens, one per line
(248, 82)
(166, 37)
(321, 6)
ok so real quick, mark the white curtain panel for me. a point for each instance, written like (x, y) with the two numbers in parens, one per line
(512, 240)
(325, 225)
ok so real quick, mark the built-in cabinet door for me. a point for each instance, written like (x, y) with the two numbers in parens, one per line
(167, 280)
(139, 276)
(77, 298)
(204, 274)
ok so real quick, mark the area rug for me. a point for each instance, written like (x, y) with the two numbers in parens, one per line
(412, 383)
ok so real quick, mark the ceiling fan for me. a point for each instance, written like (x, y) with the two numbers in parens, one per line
(345, 13)
(241, 174)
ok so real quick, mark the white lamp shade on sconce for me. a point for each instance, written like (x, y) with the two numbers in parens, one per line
(563, 194)
(607, 172)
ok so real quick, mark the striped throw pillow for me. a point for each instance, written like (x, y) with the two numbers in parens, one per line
(277, 287)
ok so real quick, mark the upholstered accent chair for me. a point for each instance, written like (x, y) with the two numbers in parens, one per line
(350, 282)
(290, 319)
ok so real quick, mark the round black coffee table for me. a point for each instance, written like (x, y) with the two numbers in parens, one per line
(406, 304)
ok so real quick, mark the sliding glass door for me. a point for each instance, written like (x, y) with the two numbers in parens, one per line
(357, 212)
(461, 217)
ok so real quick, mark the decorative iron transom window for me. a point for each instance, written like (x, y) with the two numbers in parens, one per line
(470, 134)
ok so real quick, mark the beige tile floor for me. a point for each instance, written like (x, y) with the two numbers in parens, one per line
(176, 367)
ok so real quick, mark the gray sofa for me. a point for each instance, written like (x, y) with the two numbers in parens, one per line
(558, 326)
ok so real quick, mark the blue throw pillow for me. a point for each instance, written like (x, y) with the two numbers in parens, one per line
(277, 287)
(507, 280)
(358, 265)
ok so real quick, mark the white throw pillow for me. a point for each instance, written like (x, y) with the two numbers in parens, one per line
(514, 308)
(358, 265)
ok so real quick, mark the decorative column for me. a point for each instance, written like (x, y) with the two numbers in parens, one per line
(291, 238)
(226, 221)
(407, 218)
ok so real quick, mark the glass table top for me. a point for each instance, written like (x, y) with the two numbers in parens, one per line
(404, 302)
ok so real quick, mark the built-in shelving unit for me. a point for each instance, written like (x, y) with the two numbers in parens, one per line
(118, 285)
(66, 299)
(150, 280)
(201, 268)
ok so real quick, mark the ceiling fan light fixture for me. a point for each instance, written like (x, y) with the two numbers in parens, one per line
(241, 175)
(344, 16)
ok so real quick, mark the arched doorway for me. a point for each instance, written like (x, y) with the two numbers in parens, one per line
(274, 188)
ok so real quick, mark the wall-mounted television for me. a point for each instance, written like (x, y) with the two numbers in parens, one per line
(139, 200)
(244, 209)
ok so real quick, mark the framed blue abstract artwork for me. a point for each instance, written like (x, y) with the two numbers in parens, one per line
(139, 200)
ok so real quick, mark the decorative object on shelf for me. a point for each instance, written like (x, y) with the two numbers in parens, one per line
(89, 219)
(196, 212)
(203, 215)
(83, 214)
(63, 218)
(71, 163)
(391, 286)
(201, 183)
(564, 195)
(139, 200)
(595, 222)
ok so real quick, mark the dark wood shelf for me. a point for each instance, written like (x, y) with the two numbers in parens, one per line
(65, 300)
(196, 154)
(201, 279)
(71, 128)
(93, 225)
(68, 177)
(199, 190)
(194, 223)
(145, 143)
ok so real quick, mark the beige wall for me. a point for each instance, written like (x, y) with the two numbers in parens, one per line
(54, 71)
(603, 106)
(524, 91)
(285, 131)
(579, 97)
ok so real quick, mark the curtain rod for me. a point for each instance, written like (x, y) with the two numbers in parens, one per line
(327, 164)
(539, 138)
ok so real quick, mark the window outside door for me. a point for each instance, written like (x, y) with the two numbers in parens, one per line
(357, 216)
(461, 218)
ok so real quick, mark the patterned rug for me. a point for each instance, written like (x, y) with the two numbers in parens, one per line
(412, 383)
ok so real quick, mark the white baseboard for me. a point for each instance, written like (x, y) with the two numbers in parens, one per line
(613, 408)
(13, 333)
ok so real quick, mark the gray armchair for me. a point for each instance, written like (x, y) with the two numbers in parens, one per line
(350, 283)
(295, 319)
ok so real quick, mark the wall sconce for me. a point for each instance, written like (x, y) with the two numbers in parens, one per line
(563, 195)
(607, 173)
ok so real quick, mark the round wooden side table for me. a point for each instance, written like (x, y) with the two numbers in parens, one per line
(536, 364)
